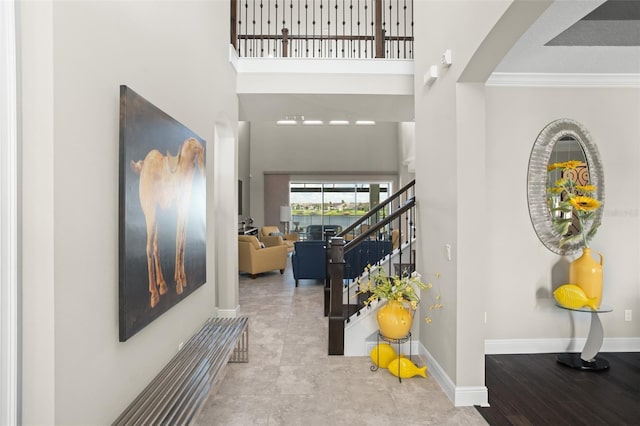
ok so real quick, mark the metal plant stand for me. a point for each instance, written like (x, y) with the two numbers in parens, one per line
(391, 341)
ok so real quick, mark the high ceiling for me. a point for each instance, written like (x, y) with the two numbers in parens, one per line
(591, 37)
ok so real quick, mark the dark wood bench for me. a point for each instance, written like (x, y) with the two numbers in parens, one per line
(176, 394)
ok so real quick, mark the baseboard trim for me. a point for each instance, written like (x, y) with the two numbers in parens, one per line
(467, 396)
(228, 313)
(540, 346)
(461, 396)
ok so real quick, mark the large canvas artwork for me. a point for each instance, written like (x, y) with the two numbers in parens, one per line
(162, 212)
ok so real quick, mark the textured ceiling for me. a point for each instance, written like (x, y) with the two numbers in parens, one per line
(613, 23)
(580, 36)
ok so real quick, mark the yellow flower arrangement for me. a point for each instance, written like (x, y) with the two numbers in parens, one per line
(379, 285)
(567, 200)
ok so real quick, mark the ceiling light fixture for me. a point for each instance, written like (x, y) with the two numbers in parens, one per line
(339, 122)
(365, 122)
(312, 122)
(286, 122)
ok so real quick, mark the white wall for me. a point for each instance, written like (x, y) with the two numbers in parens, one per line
(308, 150)
(474, 196)
(74, 57)
(448, 132)
(35, 26)
(406, 152)
(520, 284)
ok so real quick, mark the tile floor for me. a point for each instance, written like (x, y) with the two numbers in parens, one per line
(290, 379)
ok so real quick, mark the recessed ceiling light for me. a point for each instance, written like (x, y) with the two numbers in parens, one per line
(312, 122)
(365, 122)
(286, 122)
(338, 122)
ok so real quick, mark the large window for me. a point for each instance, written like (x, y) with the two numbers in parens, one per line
(333, 203)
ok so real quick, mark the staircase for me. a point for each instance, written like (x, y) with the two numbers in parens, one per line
(361, 328)
(384, 237)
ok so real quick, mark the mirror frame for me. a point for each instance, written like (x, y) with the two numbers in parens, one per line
(537, 180)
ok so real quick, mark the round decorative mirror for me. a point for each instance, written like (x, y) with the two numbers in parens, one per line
(560, 142)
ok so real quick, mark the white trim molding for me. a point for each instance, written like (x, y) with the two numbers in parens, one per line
(461, 396)
(540, 346)
(501, 79)
(9, 348)
(228, 313)
(233, 57)
(325, 66)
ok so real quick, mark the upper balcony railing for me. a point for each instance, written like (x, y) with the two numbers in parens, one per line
(358, 29)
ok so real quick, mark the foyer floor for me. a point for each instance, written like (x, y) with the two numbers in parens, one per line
(290, 379)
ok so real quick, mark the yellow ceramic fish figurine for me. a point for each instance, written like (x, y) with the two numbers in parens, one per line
(571, 296)
(404, 368)
(382, 354)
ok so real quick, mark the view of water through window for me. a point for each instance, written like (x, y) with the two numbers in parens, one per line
(333, 203)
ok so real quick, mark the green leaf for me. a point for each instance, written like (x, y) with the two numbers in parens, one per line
(593, 230)
(562, 227)
(571, 239)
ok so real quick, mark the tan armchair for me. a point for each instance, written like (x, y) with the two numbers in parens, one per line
(395, 239)
(253, 259)
(271, 237)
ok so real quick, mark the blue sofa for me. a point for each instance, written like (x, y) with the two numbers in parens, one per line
(309, 260)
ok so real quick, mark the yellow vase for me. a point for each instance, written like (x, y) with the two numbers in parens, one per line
(394, 320)
(586, 273)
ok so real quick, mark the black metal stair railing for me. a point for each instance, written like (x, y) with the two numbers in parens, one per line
(386, 232)
(323, 28)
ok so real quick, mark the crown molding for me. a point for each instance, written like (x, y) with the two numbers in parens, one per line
(504, 79)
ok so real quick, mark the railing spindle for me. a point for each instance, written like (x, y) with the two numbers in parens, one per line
(285, 42)
(295, 48)
(332, 28)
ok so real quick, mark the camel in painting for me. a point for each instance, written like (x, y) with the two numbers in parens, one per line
(165, 182)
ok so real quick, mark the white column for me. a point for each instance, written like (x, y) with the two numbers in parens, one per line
(9, 414)
(224, 210)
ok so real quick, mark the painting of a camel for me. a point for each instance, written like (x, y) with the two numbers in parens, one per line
(162, 212)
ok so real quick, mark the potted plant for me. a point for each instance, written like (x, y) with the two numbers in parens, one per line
(402, 295)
